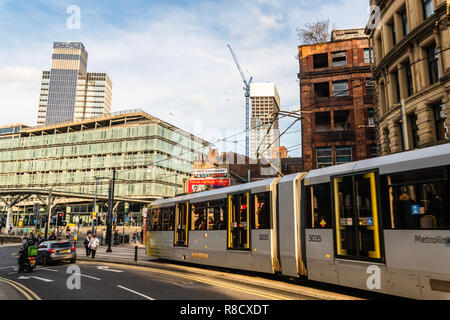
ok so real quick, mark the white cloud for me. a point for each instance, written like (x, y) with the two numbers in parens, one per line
(176, 65)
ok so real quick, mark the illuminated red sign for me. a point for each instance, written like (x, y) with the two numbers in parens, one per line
(198, 185)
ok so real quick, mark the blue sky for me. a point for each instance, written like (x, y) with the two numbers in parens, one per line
(169, 58)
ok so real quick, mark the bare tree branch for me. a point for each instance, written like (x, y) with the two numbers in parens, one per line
(315, 32)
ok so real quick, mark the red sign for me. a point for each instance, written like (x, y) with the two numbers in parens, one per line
(198, 185)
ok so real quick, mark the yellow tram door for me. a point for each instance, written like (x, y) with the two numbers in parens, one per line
(357, 217)
(181, 224)
(239, 221)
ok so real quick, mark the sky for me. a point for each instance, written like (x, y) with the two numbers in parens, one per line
(169, 58)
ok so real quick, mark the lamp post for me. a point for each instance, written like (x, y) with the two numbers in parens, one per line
(110, 208)
(94, 213)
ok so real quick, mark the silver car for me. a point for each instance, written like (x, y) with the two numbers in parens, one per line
(51, 251)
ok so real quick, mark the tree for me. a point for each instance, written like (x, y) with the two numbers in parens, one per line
(314, 32)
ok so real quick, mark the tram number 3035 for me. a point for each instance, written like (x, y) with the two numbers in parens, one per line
(315, 238)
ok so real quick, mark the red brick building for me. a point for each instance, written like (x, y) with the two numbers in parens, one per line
(336, 100)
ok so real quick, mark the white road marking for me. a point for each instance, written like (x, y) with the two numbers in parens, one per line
(46, 269)
(135, 292)
(106, 268)
(38, 278)
(7, 267)
(84, 275)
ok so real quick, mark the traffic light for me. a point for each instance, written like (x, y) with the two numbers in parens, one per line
(60, 218)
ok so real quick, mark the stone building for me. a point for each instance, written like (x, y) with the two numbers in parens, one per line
(336, 100)
(411, 42)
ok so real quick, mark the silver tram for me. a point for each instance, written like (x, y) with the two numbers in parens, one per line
(381, 224)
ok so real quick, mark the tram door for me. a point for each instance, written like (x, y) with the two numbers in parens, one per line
(356, 214)
(239, 221)
(181, 224)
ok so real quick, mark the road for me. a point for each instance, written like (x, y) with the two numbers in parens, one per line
(90, 280)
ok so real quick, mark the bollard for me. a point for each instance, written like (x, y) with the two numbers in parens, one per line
(135, 253)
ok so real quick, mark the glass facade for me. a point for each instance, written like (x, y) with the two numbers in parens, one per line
(151, 160)
(61, 95)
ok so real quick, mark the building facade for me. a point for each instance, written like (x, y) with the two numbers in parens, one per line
(68, 91)
(264, 127)
(411, 41)
(152, 158)
(336, 100)
(11, 131)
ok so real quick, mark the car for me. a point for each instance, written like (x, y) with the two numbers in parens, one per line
(52, 251)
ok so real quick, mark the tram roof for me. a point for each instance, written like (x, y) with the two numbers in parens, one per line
(399, 162)
(254, 187)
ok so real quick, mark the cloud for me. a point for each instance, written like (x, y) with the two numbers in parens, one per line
(169, 59)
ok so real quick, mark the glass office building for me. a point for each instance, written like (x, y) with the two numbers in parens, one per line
(151, 157)
(68, 91)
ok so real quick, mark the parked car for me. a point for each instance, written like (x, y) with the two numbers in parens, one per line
(51, 251)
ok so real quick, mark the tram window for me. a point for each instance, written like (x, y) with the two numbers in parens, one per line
(167, 215)
(198, 216)
(261, 212)
(420, 204)
(155, 220)
(217, 215)
(318, 206)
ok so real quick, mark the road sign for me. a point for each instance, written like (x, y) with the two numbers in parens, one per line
(144, 212)
(94, 215)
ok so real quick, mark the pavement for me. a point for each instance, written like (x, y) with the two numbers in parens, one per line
(125, 254)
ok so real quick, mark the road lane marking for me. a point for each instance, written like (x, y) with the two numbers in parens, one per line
(38, 278)
(7, 267)
(106, 268)
(47, 269)
(21, 288)
(84, 275)
(238, 288)
(135, 292)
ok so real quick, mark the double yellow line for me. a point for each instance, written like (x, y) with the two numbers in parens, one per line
(30, 295)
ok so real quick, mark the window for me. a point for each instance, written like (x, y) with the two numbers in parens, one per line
(433, 64)
(320, 60)
(318, 206)
(341, 120)
(427, 6)
(217, 215)
(339, 59)
(414, 130)
(391, 27)
(404, 16)
(155, 220)
(261, 217)
(409, 79)
(324, 157)
(396, 85)
(323, 121)
(370, 86)
(442, 132)
(198, 216)
(419, 199)
(371, 117)
(167, 215)
(368, 55)
(373, 150)
(322, 89)
(343, 154)
(340, 88)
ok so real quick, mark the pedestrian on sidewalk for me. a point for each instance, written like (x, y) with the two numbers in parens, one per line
(86, 242)
(93, 244)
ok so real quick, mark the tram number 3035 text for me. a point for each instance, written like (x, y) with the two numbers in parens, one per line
(315, 238)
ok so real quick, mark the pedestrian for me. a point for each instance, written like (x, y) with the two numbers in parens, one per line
(93, 244)
(142, 235)
(86, 242)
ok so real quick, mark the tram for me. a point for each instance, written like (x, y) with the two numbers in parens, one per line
(381, 224)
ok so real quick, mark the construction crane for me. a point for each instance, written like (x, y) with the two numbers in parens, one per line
(247, 102)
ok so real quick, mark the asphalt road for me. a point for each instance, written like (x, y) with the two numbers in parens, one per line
(88, 280)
